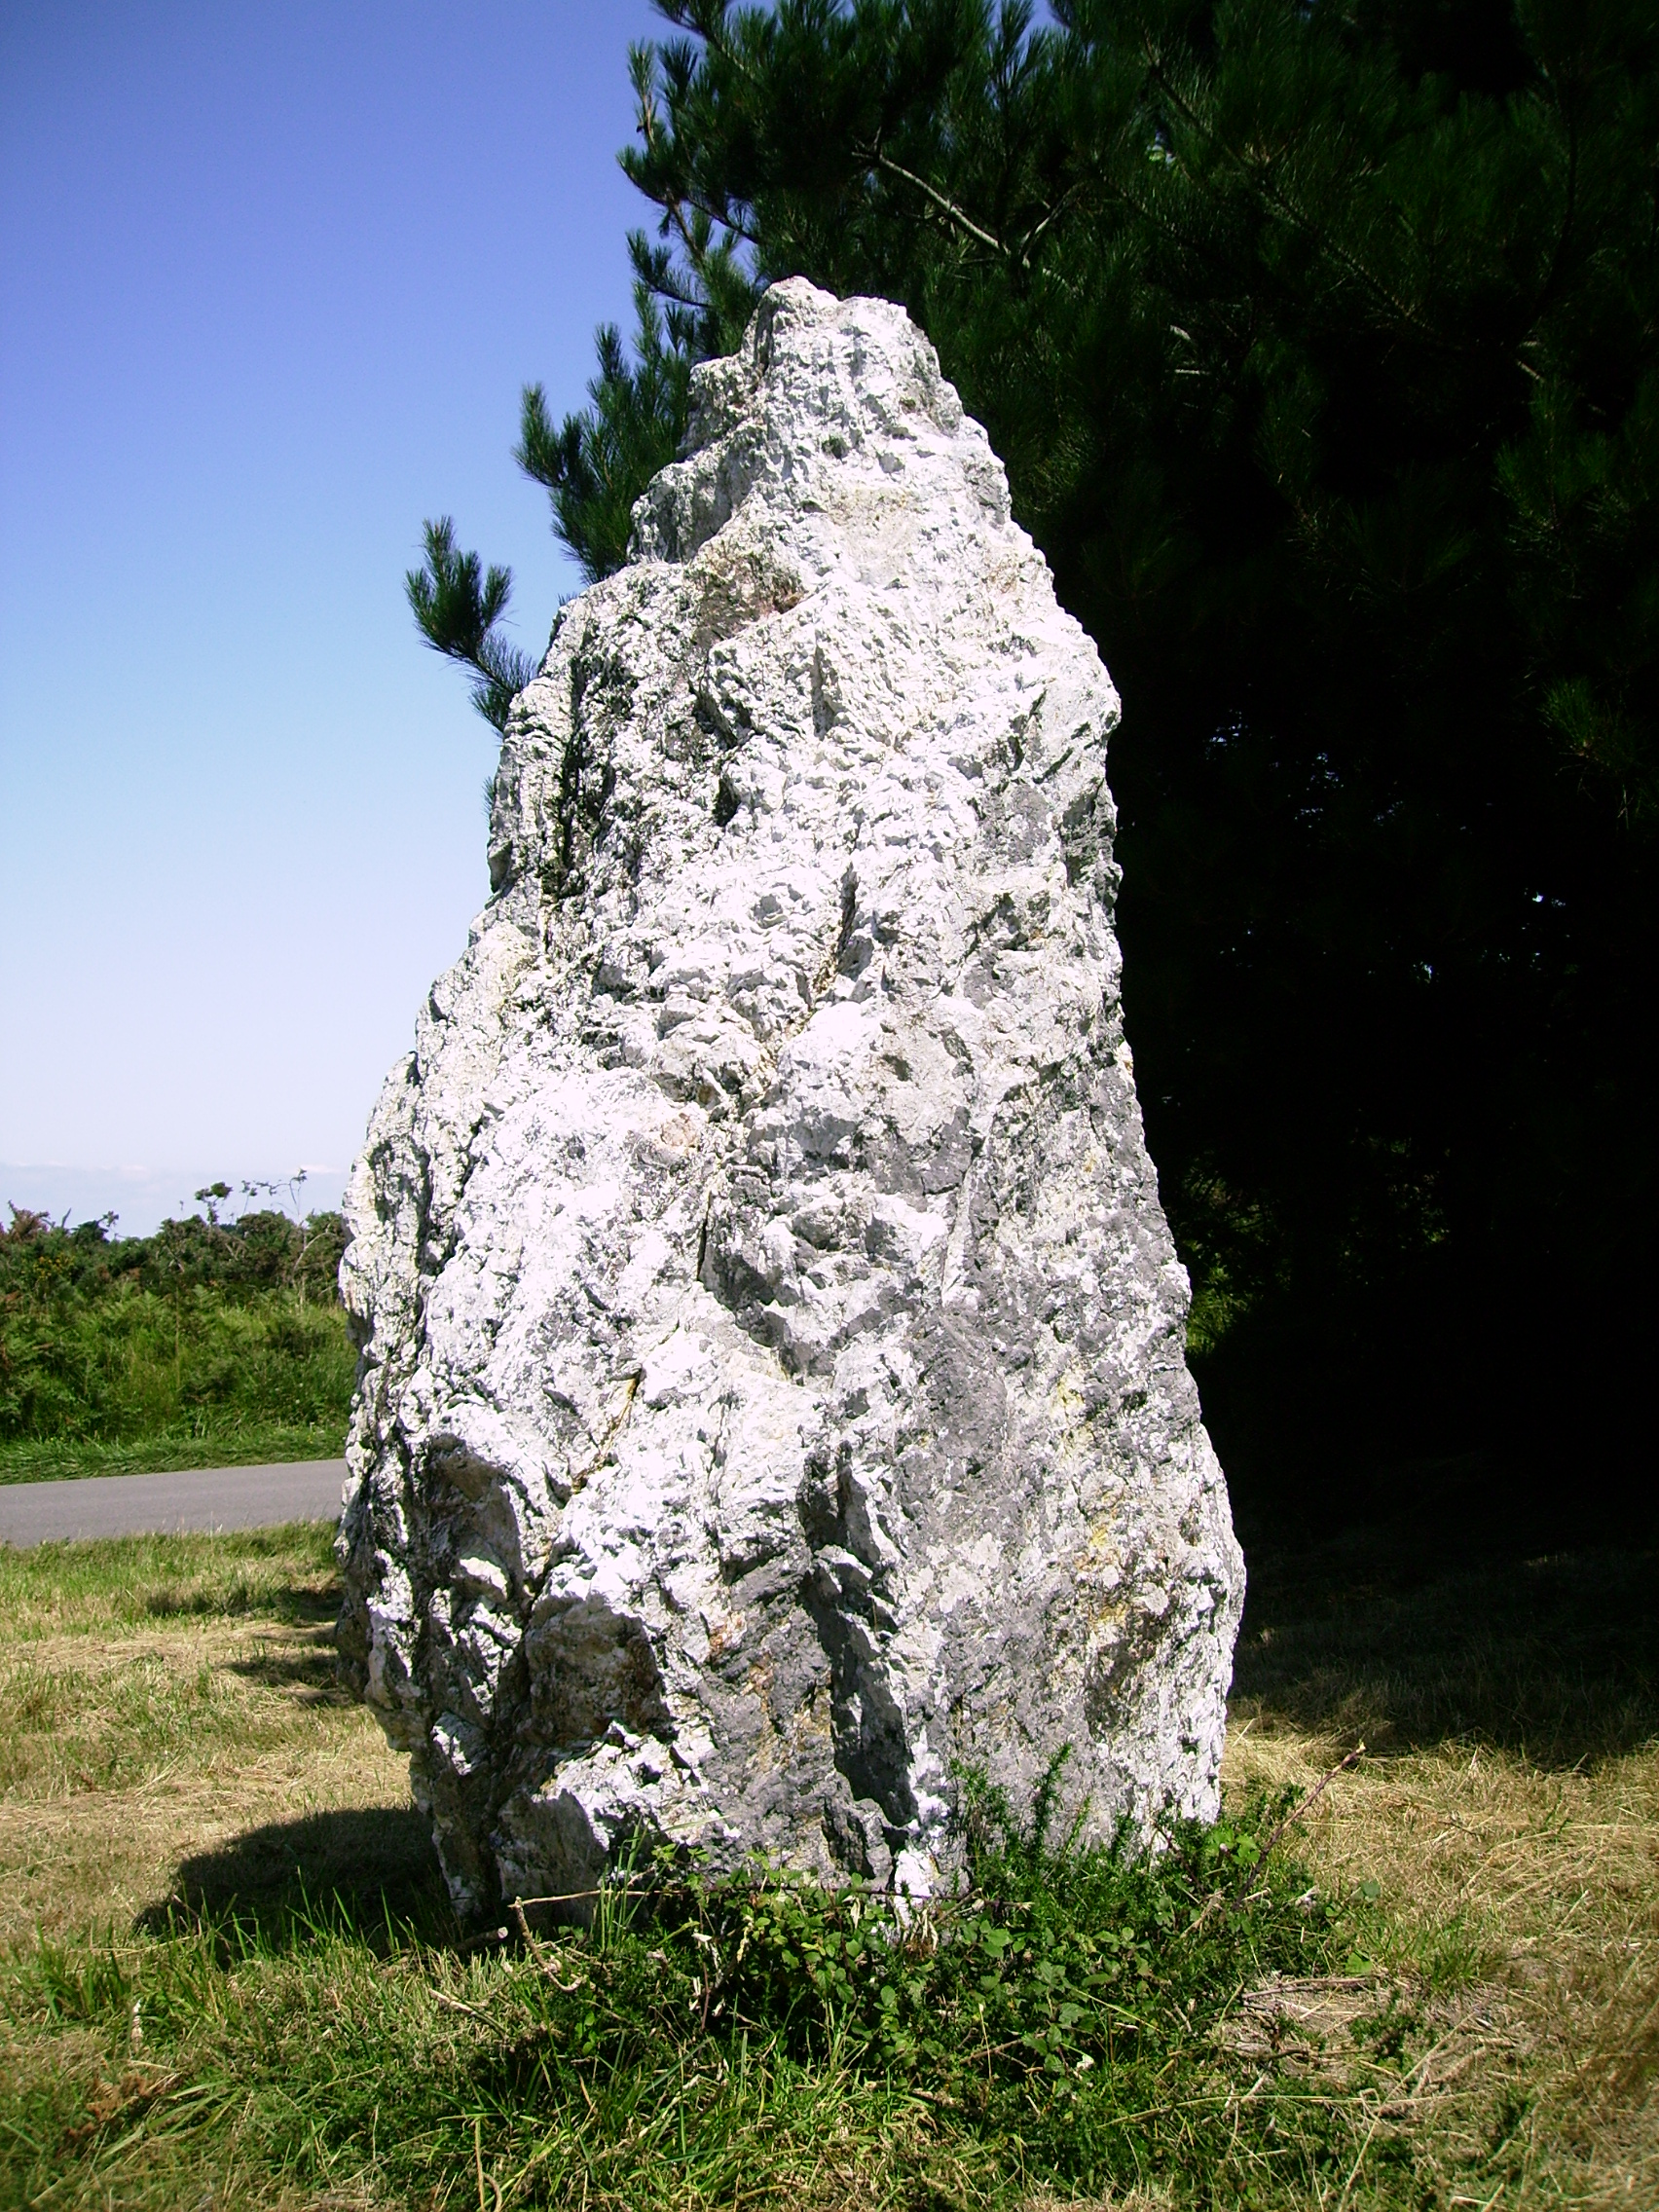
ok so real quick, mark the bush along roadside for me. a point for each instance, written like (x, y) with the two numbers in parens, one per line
(210, 1338)
(1062, 2021)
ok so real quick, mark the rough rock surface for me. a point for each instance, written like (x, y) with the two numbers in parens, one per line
(773, 1389)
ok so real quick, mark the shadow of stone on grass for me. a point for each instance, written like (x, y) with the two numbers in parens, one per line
(296, 1605)
(1386, 1634)
(368, 1868)
(313, 1670)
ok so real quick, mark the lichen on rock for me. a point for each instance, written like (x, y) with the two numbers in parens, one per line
(773, 1395)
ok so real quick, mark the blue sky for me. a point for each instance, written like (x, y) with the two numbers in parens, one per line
(270, 280)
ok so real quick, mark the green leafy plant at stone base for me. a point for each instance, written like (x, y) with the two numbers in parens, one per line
(1066, 2001)
(208, 1342)
(1054, 1963)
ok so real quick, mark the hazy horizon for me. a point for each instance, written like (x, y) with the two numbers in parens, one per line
(142, 1197)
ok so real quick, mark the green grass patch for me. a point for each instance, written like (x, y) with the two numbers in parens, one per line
(255, 1445)
(1060, 2024)
(121, 1584)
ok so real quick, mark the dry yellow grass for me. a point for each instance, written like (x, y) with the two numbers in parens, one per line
(179, 1734)
(1506, 1818)
(1524, 1900)
(81, 1844)
(178, 1744)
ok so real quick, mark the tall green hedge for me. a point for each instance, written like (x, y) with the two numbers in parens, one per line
(221, 1336)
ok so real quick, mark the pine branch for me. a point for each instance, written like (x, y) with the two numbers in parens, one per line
(457, 604)
(877, 159)
(1280, 202)
(1558, 260)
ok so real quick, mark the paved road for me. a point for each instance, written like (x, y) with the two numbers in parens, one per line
(142, 1505)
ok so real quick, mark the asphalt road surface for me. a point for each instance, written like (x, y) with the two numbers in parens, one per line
(143, 1505)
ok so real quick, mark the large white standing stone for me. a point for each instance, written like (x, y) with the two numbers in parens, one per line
(773, 1392)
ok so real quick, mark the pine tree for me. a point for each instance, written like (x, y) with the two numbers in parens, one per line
(1321, 340)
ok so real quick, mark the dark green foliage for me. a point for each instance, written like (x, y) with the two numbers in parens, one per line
(1055, 1961)
(260, 1251)
(457, 607)
(207, 1332)
(1321, 343)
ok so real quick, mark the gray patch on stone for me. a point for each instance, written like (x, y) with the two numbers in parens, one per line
(773, 1390)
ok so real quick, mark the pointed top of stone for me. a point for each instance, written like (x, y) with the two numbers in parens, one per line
(825, 399)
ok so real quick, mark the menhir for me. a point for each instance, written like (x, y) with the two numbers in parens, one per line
(773, 1398)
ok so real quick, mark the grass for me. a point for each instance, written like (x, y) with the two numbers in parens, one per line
(254, 1444)
(1503, 1829)
(229, 1975)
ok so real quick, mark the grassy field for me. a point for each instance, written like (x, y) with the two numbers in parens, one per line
(230, 1978)
(254, 1444)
